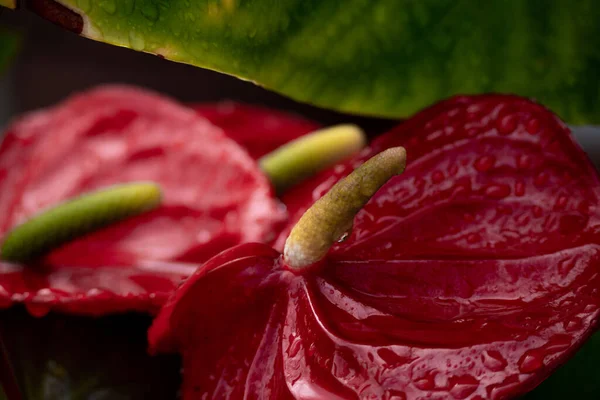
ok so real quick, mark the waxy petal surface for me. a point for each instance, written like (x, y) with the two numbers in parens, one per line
(473, 275)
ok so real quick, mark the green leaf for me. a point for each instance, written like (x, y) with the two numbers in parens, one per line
(376, 57)
(59, 357)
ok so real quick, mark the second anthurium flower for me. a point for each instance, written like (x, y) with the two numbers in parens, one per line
(472, 275)
(214, 194)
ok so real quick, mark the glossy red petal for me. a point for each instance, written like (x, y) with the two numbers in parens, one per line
(90, 291)
(227, 320)
(215, 195)
(473, 275)
(256, 129)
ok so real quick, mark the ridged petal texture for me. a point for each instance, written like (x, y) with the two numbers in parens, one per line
(473, 275)
(214, 194)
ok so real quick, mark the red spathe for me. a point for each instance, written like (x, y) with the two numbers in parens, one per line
(473, 275)
(215, 195)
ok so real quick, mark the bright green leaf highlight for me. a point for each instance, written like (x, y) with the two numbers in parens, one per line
(378, 57)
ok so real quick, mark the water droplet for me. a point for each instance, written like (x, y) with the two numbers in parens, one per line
(565, 266)
(484, 163)
(437, 177)
(425, 383)
(537, 211)
(84, 5)
(541, 179)
(150, 11)
(519, 188)
(391, 358)
(507, 124)
(110, 6)
(573, 324)
(473, 238)
(294, 347)
(531, 361)
(433, 136)
(136, 41)
(493, 361)
(557, 343)
(533, 126)
(523, 161)
(590, 308)
(37, 309)
(474, 110)
(463, 387)
(497, 191)
(561, 202)
(568, 303)
(523, 219)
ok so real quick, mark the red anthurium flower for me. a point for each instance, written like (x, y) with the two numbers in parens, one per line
(246, 123)
(214, 194)
(472, 275)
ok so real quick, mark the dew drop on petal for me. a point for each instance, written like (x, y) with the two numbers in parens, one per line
(484, 163)
(497, 191)
(493, 361)
(530, 362)
(507, 124)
